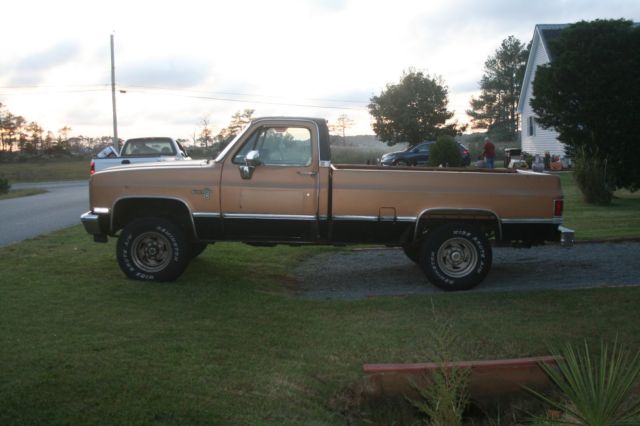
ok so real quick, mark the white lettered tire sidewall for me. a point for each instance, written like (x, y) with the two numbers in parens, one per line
(143, 233)
(456, 256)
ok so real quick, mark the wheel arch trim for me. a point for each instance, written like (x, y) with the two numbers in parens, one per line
(151, 197)
(458, 213)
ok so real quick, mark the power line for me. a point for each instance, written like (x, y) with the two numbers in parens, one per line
(254, 95)
(46, 86)
(192, 94)
(37, 90)
(250, 101)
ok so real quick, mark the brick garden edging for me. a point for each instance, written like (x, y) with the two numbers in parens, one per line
(488, 380)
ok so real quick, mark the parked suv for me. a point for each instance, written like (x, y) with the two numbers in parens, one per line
(419, 155)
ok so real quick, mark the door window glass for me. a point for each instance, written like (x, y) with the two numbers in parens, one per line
(279, 146)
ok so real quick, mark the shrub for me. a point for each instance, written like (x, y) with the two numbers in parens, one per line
(445, 152)
(445, 395)
(592, 178)
(596, 391)
(5, 186)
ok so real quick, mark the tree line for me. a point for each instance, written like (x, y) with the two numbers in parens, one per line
(27, 137)
(17, 134)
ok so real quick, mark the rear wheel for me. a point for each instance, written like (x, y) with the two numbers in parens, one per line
(456, 256)
(152, 249)
(412, 251)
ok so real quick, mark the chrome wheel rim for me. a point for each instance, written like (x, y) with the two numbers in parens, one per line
(151, 252)
(457, 257)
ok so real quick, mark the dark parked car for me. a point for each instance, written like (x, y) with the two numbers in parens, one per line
(419, 155)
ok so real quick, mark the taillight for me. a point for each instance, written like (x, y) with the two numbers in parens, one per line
(466, 152)
(558, 206)
(92, 169)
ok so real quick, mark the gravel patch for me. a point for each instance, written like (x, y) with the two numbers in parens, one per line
(360, 274)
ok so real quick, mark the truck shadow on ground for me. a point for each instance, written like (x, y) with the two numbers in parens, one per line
(361, 274)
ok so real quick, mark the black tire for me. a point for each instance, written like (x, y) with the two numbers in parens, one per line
(197, 249)
(152, 249)
(456, 256)
(412, 251)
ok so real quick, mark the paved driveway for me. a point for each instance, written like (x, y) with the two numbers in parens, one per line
(27, 217)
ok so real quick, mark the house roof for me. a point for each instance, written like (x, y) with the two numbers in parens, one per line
(548, 33)
(542, 34)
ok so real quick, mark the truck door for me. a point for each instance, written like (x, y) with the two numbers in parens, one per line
(269, 184)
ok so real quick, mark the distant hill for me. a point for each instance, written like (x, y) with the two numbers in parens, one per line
(359, 140)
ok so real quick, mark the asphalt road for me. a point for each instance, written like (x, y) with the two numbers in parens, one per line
(27, 217)
(360, 274)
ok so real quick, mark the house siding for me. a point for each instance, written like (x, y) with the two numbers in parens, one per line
(543, 140)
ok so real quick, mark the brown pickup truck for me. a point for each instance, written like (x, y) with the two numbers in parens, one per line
(275, 183)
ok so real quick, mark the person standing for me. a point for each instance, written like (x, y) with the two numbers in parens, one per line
(489, 153)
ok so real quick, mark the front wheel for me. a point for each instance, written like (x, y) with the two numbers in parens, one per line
(152, 249)
(456, 256)
(197, 249)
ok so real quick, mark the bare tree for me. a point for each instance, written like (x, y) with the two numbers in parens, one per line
(343, 122)
(206, 133)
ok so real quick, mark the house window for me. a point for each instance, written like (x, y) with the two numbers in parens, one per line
(532, 126)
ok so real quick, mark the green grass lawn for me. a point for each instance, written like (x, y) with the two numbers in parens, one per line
(40, 171)
(230, 343)
(619, 220)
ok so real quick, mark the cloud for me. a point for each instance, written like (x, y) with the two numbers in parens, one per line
(56, 55)
(465, 87)
(172, 72)
(31, 69)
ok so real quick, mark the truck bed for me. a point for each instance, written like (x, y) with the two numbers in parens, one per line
(406, 192)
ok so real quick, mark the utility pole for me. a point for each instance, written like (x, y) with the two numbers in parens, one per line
(113, 99)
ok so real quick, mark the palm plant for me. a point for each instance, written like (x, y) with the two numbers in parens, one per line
(595, 391)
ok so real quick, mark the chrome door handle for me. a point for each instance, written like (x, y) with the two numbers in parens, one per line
(307, 173)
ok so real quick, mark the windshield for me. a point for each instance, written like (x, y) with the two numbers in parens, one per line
(224, 152)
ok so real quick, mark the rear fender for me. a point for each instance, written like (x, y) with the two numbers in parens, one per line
(430, 218)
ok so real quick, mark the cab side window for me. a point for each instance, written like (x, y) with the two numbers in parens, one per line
(279, 146)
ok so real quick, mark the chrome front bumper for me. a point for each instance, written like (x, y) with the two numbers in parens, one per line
(91, 223)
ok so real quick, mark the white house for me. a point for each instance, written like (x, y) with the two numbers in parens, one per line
(535, 139)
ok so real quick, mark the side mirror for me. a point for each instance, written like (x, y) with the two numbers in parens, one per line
(252, 160)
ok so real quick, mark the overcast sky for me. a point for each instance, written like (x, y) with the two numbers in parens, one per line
(180, 62)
